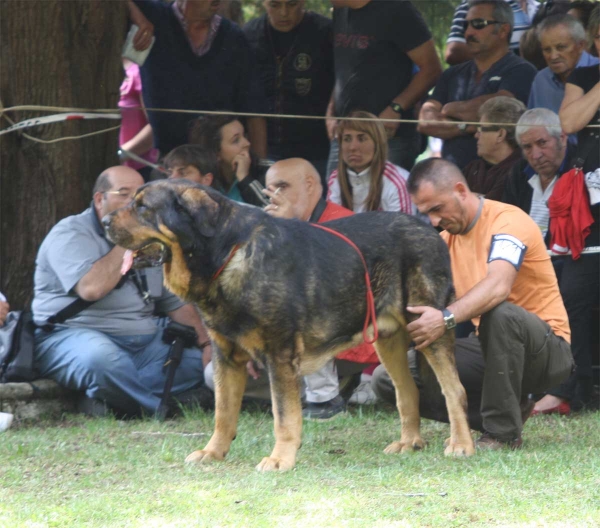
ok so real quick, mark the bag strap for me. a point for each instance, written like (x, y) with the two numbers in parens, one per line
(580, 158)
(67, 312)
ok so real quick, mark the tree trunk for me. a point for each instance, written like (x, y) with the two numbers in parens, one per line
(54, 53)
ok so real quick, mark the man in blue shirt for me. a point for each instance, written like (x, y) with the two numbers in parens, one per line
(562, 38)
(462, 89)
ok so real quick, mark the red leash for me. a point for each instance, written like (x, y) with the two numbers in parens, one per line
(371, 316)
(227, 261)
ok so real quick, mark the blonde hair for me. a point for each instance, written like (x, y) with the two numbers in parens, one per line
(376, 131)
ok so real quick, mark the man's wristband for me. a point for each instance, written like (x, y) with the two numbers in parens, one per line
(396, 107)
(203, 345)
(449, 320)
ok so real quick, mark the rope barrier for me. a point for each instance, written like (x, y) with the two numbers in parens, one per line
(110, 112)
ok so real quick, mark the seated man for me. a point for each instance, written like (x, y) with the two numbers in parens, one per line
(112, 349)
(496, 146)
(547, 156)
(294, 188)
(563, 42)
(193, 163)
(462, 89)
(506, 285)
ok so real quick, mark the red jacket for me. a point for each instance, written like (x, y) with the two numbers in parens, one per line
(570, 216)
(362, 353)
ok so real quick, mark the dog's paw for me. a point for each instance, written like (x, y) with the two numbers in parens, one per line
(404, 447)
(202, 457)
(459, 449)
(274, 464)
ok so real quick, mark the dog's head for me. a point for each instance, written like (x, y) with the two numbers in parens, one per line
(164, 217)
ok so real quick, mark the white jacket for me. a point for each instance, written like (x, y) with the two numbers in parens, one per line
(394, 195)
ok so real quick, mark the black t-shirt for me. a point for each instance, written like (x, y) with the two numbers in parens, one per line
(370, 46)
(588, 138)
(282, 41)
(588, 141)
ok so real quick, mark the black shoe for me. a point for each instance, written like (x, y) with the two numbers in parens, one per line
(201, 397)
(92, 407)
(324, 411)
(489, 443)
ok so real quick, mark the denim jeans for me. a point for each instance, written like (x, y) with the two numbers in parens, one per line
(124, 371)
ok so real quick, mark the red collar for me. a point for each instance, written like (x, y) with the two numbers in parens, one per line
(227, 261)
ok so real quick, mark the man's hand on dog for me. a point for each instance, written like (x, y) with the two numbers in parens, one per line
(280, 206)
(427, 328)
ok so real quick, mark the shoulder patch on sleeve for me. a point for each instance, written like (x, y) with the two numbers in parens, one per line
(509, 248)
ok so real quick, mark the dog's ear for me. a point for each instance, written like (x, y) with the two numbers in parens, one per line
(202, 208)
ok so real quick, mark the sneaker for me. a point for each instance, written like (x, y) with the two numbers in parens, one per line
(325, 410)
(488, 443)
(363, 395)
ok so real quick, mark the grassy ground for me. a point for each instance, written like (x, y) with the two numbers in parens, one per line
(102, 472)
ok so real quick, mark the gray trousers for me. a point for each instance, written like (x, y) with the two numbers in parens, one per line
(515, 354)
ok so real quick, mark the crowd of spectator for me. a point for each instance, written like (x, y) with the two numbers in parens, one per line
(364, 90)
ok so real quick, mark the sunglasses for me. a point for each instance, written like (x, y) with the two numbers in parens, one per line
(479, 23)
(489, 128)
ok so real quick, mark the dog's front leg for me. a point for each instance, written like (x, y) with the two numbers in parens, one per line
(230, 383)
(440, 356)
(287, 414)
(392, 352)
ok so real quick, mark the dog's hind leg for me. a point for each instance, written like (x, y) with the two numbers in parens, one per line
(230, 383)
(287, 409)
(392, 352)
(440, 356)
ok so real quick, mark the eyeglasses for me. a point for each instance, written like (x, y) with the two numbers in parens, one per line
(122, 193)
(488, 128)
(479, 23)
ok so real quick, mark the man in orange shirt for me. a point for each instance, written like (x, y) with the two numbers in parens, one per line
(506, 286)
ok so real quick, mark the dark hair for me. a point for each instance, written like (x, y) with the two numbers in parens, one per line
(206, 131)
(195, 155)
(440, 172)
(102, 183)
(502, 13)
(584, 8)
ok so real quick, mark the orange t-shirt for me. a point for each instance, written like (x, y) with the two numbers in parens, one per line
(507, 233)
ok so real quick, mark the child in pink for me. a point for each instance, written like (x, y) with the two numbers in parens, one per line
(134, 118)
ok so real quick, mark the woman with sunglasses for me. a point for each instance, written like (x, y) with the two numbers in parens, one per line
(364, 179)
(497, 147)
(240, 171)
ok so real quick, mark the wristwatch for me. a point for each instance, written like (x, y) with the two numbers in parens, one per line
(461, 126)
(449, 320)
(396, 107)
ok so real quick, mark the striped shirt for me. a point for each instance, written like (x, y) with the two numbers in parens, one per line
(394, 195)
(522, 22)
(539, 203)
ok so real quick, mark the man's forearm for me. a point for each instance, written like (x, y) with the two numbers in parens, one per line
(468, 110)
(439, 130)
(103, 277)
(257, 135)
(418, 87)
(187, 315)
(480, 299)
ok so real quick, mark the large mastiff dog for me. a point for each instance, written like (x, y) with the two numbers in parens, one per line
(292, 296)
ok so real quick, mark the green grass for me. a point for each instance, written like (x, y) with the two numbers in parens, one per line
(102, 472)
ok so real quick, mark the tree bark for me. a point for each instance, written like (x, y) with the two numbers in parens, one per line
(54, 53)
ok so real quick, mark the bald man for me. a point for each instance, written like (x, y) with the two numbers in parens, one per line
(111, 351)
(506, 286)
(295, 191)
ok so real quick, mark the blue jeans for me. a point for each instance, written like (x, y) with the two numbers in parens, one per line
(402, 151)
(124, 371)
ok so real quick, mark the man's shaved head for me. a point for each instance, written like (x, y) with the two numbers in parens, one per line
(442, 174)
(299, 182)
